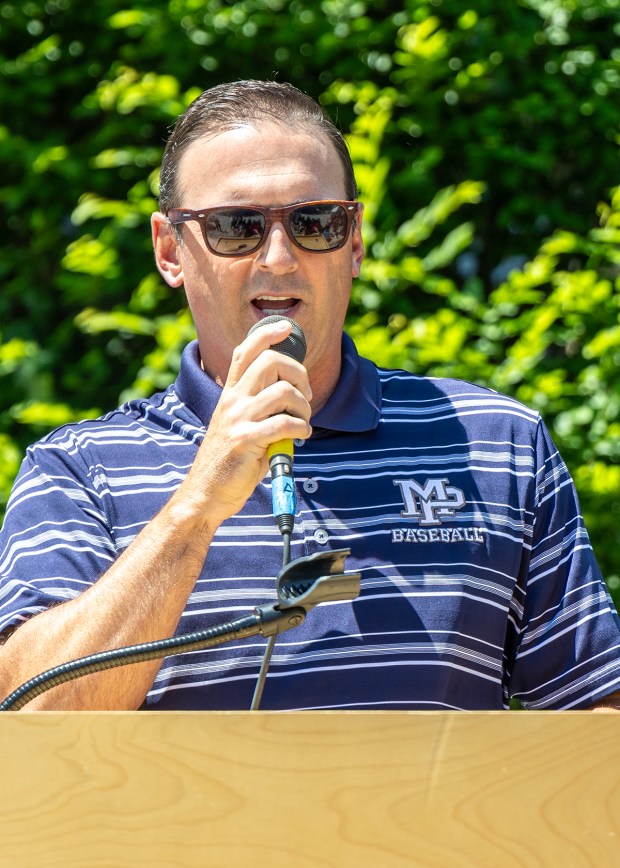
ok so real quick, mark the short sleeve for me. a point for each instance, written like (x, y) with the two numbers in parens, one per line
(54, 541)
(563, 648)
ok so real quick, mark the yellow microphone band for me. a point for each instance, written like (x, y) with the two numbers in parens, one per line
(280, 447)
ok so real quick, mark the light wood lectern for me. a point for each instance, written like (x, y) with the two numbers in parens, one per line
(305, 790)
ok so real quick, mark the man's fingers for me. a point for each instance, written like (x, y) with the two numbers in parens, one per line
(281, 411)
(255, 344)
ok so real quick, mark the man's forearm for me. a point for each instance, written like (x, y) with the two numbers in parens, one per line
(139, 599)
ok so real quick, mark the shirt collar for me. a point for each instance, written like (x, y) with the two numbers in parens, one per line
(353, 406)
(194, 387)
(355, 403)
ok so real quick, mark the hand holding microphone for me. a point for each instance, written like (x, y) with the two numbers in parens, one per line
(280, 453)
(263, 399)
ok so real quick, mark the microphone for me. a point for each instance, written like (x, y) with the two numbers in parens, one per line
(280, 453)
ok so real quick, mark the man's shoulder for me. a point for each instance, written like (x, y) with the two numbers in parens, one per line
(396, 382)
(158, 413)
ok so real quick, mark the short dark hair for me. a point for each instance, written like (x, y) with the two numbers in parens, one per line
(231, 105)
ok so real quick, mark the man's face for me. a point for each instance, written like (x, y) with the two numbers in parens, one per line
(272, 167)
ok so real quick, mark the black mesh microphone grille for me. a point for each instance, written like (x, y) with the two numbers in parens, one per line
(294, 345)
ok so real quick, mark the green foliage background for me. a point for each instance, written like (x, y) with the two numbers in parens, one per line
(485, 137)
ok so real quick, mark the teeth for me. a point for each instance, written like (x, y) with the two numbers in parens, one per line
(281, 304)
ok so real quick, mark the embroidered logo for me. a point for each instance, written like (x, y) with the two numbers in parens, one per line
(431, 502)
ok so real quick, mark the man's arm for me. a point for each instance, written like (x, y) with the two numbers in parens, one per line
(143, 594)
(139, 599)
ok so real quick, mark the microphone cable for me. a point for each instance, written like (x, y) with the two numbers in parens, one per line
(271, 641)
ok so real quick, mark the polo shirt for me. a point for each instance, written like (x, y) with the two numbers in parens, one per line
(478, 581)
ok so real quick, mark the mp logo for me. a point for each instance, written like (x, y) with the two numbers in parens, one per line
(430, 502)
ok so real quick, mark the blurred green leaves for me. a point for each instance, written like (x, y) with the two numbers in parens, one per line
(485, 141)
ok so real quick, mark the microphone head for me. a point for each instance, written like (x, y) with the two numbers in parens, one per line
(294, 345)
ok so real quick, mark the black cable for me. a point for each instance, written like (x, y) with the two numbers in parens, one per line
(262, 675)
(286, 550)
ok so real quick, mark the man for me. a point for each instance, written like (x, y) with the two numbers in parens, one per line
(478, 581)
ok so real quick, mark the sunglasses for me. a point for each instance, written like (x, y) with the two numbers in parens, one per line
(238, 231)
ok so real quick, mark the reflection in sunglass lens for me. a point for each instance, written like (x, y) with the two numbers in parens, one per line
(235, 230)
(319, 227)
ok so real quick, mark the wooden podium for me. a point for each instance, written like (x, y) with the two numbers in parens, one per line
(306, 790)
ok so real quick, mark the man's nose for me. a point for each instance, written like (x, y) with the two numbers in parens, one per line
(278, 252)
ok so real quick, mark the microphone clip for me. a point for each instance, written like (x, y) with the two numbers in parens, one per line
(305, 583)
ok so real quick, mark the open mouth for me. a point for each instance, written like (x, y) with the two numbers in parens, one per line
(268, 305)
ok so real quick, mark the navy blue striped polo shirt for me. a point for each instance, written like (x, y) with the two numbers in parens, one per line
(478, 579)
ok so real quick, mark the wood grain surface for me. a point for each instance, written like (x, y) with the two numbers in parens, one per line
(440, 790)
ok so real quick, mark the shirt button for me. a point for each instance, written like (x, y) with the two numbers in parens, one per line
(321, 536)
(310, 486)
(299, 442)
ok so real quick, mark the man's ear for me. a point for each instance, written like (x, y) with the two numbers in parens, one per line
(166, 248)
(357, 242)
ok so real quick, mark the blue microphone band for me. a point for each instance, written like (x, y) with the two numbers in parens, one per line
(283, 498)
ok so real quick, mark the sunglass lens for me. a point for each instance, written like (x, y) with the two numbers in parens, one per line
(319, 227)
(235, 230)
